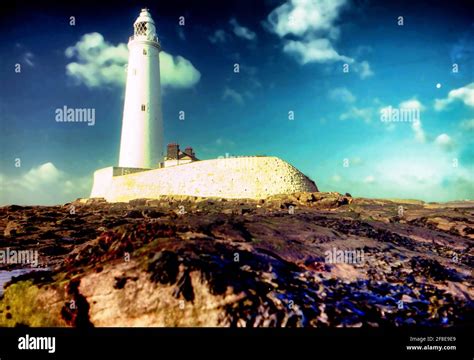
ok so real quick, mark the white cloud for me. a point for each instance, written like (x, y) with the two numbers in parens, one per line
(99, 63)
(219, 36)
(336, 178)
(427, 175)
(412, 104)
(317, 50)
(364, 70)
(416, 124)
(369, 179)
(43, 185)
(28, 58)
(181, 33)
(424, 172)
(356, 161)
(233, 94)
(311, 24)
(177, 71)
(224, 142)
(356, 113)
(464, 94)
(342, 94)
(241, 31)
(299, 17)
(417, 128)
(468, 125)
(41, 175)
(445, 142)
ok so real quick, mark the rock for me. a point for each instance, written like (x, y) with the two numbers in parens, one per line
(242, 263)
(306, 198)
(138, 202)
(245, 210)
(15, 208)
(134, 214)
(164, 267)
(153, 214)
(153, 202)
(54, 250)
(13, 228)
(94, 201)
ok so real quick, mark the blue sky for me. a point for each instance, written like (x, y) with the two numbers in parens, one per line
(333, 65)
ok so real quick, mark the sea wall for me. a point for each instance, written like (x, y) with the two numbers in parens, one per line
(241, 177)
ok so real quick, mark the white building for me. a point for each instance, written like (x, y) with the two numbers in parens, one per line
(141, 144)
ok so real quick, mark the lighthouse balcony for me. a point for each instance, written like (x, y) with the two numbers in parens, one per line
(153, 38)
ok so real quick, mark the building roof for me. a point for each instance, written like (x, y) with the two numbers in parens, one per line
(185, 155)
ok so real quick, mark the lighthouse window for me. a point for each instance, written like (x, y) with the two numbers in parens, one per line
(144, 52)
(140, 28)
(143, 107)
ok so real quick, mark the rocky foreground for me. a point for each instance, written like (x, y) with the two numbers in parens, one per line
(182, 261)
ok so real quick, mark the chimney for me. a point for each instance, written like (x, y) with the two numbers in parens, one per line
(173, 151)
(189, 151)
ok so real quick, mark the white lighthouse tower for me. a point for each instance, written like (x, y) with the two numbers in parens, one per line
(141, 144)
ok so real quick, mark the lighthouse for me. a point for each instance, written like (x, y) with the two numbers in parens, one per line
(144, 172)
(141, 144)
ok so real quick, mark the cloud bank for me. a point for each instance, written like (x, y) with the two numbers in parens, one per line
(97, 63)
(463, 94)
(241, 31)
(309, 31)
(44, 184)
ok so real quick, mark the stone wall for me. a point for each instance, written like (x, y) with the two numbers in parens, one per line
(242, 177)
